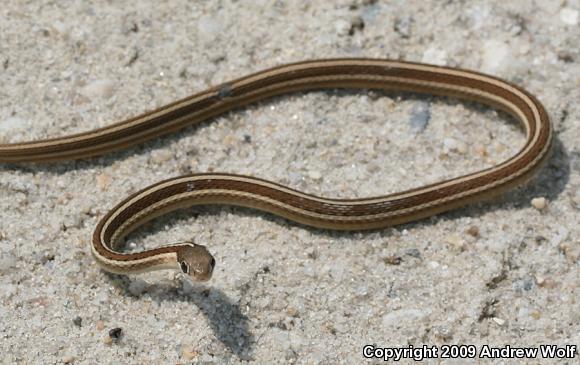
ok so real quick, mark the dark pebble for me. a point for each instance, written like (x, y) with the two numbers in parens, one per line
(413, 252)
(78, 321)
(116, 333)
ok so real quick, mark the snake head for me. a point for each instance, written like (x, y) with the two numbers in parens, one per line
(195, 261)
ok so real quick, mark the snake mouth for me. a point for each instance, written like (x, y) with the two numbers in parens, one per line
(201, 277)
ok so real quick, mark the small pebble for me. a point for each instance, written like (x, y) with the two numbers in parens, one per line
(68, 359)
(572, 252)
(453, 145)
(547, 283)
(396, 318)
(103, 181)
(342, 27)
(99, 89)
(100, 325)
(393, 260)
(230, 140)
(161, 156)
(115, 333)
(499, 321)
(443, 333)
(413, 252)
(462, 148)
(539, 203)
(420, 115)
(481, 150)
(456, 241)
(315, 175)
(373, 95)
(473, 231)
(188, 354)
(40, 301)
(292, 311)
(78, 321)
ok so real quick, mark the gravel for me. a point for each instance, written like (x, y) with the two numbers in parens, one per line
(282, 293)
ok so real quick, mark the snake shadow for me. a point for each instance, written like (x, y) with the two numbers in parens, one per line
(229, 325)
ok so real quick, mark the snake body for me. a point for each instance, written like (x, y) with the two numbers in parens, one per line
(338, 214)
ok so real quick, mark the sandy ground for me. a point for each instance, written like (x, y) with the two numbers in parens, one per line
(498, 273)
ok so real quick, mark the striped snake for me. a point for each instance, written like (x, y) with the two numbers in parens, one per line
(310, 210)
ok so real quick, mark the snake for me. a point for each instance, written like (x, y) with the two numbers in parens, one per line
(210, 188)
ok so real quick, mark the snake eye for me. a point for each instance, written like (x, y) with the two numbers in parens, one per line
(184, 267)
